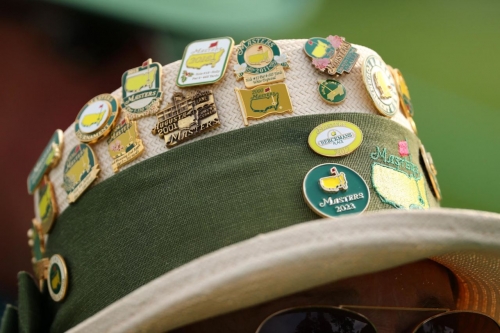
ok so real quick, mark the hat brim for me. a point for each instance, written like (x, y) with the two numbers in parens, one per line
(278, 263)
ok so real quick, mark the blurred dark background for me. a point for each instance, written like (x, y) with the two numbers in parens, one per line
(58, 54)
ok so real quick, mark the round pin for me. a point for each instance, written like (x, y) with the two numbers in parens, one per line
(96, 119)
(332, 91)
(80, 170)
(57, 278)
(380, 85)
(431, 172)
(334, 190)
(335, 138)
(404, 93)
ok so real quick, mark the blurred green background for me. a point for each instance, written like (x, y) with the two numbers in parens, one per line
(63, 52)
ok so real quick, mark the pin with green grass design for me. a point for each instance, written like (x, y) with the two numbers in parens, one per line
(332, 91)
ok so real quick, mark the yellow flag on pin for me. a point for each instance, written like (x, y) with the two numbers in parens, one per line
(263, 101)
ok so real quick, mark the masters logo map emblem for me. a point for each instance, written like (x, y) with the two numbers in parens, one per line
(331, 54)
(260, 61)
(96, 119)
(204, 61)
(57, 279)
(141, 90)
(333, 190)
(397, 180)
(45, 205)
(380, 85)
(332, 91)
(264, 101)
(124, 144)
(335, 138)
(80, 170)
(49, 159)
(186, 117)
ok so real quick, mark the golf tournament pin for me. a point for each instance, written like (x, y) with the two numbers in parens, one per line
(263, 101)
(380, 85)
(204, 61)
(186, 117)
(404, 93)
(141, 90)
(124, 144)
(333, 190)
(260, 61)
(431, 171)
(36, 241)
(331, 54)
(335, 138)
(57, 279)
(96, 119)
(332, 91)
(80, 171)
(45, 205)
(49, 159)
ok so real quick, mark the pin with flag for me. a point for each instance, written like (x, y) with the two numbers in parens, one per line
(263, 101)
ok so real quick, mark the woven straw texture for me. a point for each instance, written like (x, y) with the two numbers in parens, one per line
(301, 80)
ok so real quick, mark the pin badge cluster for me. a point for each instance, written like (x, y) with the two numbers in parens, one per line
(53, 270)
(204, 61)
(141, 90)
(380, 85)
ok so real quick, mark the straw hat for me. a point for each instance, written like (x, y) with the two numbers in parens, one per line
(222, 222)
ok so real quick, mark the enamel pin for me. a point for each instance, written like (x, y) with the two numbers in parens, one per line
(36, 241)
(333, 190)
(124, 144)
(260, 61)
(335, 138)
(204, 61)
(332, 54)
(141, 90)
(380, 85)
(404, 93)
(397, 178)
(263, 101)
(431, 171)
(186, 117)
(49, 159)
(45, 205)
(80, 171)
(57, 278)
(332, 91)
(96, 119)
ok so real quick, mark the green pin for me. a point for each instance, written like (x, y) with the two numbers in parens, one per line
(332, 91)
